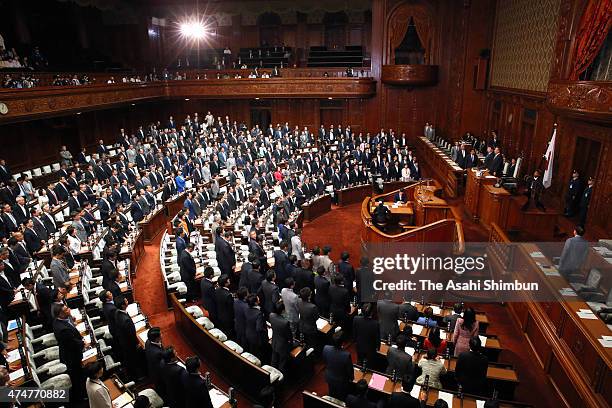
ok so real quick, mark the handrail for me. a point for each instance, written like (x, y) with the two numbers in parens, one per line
(414, 184)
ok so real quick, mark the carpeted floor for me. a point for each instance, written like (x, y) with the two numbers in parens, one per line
(341, 229)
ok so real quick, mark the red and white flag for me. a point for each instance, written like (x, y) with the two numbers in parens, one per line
(550, 158)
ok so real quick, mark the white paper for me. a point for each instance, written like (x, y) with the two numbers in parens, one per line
(587, 316)
(483, 340)
(567, 292)
(537, 254)
(143, 335)
(480, 403)
(605, 343)
(89, 353)
(13, 356)
(446, 396)
(217, 398)
(81, 327)
(87, 339)
(140, 325)
(417, 329)
(321, 323)
(416, 390)
(436, 310)
(16, 374)
(269, 333)
(122, 400)
(132, 309)
(12, 325)
(137, 318)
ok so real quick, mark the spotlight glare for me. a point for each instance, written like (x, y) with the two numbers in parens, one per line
(194, 30)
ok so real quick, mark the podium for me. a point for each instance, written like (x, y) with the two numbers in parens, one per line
(474, 191)
(494, 206)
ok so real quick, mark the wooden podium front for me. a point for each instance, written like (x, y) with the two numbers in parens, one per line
(474, 191)
(494, 206)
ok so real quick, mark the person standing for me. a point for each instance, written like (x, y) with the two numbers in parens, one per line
(339, 372)
(585, 200)
(573, 195)
(71, 346)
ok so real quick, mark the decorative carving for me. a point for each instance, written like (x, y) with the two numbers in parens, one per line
(49, 101)
(398, 25)
(410, 75)
(583, 99)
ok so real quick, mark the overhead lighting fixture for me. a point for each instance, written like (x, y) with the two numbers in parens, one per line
(256, 99)
(330, 98)
(186, 99)
(193, 29)
(78, 113)
(133, 104)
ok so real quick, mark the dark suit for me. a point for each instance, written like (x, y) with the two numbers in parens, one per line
(303, 278)
(471, 372)
(321, 298)
(71, 347)
(7, 295)
(366, 331)
(153, 354)
(497, 165)
(128, 342)
(196, 392)
(400, 362)
(282, 339)
(280, 266)
(408, 312)
(226, 257)
(270, 295)
(208, 298)
(348, 273)
(339, 304)
(308, 322)
(388, 314)
(354, 401)
(188, 271)
(172, 375)
(32, 240)
(225, 310)
(255, 330)
(339, 372)
(240, 307)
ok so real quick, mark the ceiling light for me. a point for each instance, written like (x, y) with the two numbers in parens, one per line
(193, 29)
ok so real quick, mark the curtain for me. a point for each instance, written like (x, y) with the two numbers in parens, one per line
(592, 31)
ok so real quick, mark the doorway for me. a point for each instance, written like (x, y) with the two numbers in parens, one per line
(586, 157)
(261, 117)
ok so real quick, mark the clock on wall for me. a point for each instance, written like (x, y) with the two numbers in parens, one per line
(3, 108)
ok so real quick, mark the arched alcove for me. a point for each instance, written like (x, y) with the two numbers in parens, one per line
(269, 29)
(405, 18)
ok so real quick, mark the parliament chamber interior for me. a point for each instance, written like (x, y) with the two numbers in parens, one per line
(306, 203)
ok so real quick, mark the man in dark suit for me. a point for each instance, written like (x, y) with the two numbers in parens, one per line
(535, 188)
(304, 278)
(381, 214)
(573, 194)
(225, 306)
(407, 311)
(136, 210)
(574, 254)
(497, 163)
(400, 362)
(7, 292)
(154, 353)
(71, 346)
(172, 375)
(43, 295)
(255, 327)
(196, 390)
(32, 240)
(269, 293)
(282, 338)
(38, 225)
(126, 336)
(340, 300)
(309, 314)
(226, 256)
(366, 331)
(472, 160)
(585, 199)
(188, 270)
(451, 320)
(108, 310)
(339, 371)
(388, 315)
(322, 285)
(347, 271)
(240, 307)
(207, 287)
(471, 369)
(5, 172)
(280, 263)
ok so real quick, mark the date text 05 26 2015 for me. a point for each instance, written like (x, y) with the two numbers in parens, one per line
(30, 394)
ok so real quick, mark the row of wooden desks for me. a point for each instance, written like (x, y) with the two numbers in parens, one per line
(152, 224)
(441, 165)
(317, 207)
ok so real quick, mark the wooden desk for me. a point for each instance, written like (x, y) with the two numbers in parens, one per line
(474, 191)
(540, 224)
(174, 205)
(401, 209)
(352, 195)
(495, 205)
(316, 208)
(152, 225)
(440, 165)
(565, 346)
(237, 370)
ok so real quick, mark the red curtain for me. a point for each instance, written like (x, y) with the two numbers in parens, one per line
(592, 32)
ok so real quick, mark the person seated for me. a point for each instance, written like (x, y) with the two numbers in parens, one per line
(433, 341)
(400, 197)
(428, 318)
(403, 399)
(381, 214)
(431, 365)
(360, 398)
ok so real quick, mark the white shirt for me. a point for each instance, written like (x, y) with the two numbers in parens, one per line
(74, 243)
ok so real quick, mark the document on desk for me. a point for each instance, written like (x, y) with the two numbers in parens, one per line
(132, 309)
(217, 398)
(416, 390)
(417, 329)
(321, 323)
(607, 343)
(537, 254)
(483, 340)
(586, 314)
(143, 335)
(480, 403)
(446, 396)
(378, 382)
(15, 375)
(13, 356)
(89, 353)
(436, 309)
(567, 292)
(122, 400)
